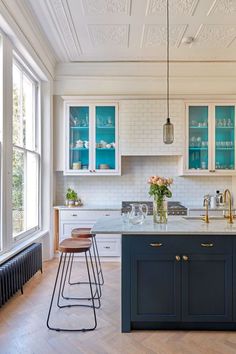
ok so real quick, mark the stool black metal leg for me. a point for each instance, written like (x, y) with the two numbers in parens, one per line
(97, 271)
(77, 283)
(67, 268)
(61, 280)
(91, 290)
(95, 280)
(71, 264)
(99, 262)
(53, 293)
(59, 292)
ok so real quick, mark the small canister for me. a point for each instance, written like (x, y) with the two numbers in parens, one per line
(77, 165)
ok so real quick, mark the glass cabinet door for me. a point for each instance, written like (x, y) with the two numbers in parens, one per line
(79, 138)
(198, 137)
(224, 137)
(105, 138)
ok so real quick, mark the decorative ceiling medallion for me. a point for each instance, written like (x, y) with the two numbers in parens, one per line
(101, 7)
(155, 35)
(183, 7)
(215, 36)
(225, 7)
(109, 35)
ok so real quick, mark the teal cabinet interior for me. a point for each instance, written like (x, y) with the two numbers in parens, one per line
(188, 282)
(79, 138)
(211, 138)
(224, 137)
(92, 146)
(105, 137)
(198, 137)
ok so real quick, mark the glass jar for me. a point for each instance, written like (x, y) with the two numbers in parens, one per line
(160, 211)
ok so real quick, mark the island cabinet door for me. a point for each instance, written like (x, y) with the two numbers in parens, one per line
(207, 288)
(155, 288)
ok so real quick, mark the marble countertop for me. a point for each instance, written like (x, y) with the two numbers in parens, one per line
(176, 225)
(89, 207)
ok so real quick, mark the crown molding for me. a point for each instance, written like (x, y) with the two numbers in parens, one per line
(145, 69)
(18, 23)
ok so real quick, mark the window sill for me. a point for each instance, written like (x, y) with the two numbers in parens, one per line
(5, 256)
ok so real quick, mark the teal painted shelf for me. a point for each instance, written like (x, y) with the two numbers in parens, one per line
(230, 149)
(225, 127)
(112, 127)
(111, 149)
(79, 127)
(79, 149)
(197, 148)
(193, 127)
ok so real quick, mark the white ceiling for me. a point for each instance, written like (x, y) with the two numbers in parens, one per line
(135, 30)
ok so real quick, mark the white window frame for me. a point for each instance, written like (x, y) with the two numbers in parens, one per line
(18, 61)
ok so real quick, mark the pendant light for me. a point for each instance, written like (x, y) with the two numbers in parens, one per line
(168, 127)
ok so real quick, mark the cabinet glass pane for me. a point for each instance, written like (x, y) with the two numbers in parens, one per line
(105, 157)
(224, 137)
(79, 138)
(198, 137)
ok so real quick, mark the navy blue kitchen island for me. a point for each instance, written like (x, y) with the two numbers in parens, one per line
(177, 280)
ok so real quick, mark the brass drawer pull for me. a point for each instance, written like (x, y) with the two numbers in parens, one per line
(185, 258)
(207, 244)
(178, 258)
(156, 244)
(74, 215)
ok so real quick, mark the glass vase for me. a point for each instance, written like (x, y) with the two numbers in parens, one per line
(160, 212)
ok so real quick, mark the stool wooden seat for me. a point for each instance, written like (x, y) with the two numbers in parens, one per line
(70, 245)
(82, 233)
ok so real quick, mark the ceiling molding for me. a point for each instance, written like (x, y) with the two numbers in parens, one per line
(17, 22)
(61, 17)
(144, 69)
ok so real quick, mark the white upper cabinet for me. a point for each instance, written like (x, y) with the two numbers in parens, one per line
(210, 139)
(91, 139)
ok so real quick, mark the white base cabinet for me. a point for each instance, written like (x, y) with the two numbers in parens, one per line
(69, 219)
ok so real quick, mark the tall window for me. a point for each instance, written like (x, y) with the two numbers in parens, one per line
(26, 157)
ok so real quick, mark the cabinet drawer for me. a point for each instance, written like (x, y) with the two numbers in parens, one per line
(109, 247)
(85, 215)
(182, 244)
(210, 245)
(155, 245)
(67, 227)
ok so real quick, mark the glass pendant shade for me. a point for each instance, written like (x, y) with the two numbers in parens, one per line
(168, 132)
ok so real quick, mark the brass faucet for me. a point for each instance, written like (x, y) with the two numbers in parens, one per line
(206, 204)
(227, 193)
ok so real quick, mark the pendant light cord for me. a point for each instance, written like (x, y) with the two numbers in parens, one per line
(168, 59)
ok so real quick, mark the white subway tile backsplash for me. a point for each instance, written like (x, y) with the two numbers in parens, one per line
(132, 185)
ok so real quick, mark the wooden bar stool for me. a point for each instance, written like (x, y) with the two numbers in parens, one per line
(68, 248)
(86, 233)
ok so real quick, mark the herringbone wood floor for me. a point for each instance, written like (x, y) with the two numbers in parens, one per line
(23, 325)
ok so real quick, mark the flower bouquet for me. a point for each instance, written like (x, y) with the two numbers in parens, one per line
(159, 189)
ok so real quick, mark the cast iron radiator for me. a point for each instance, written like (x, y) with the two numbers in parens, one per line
(16, 271)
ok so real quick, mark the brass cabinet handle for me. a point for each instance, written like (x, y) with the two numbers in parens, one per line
(177, 258)
(212, 170)
(185, 258)
(158, 244)
(207, 244)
